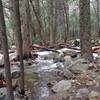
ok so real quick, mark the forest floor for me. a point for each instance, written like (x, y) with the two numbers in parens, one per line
(59, 74)
(72, 79)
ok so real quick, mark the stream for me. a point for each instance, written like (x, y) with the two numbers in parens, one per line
(43, 68)
(46, 72)
(42, 72)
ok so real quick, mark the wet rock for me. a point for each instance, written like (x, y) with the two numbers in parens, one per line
(68, 74)
(3, 93)
(51, 83)
(91, 83)
(60, 55)
(71, 53)
(85, 78)
(30, 62)
(15, 71)
(13, 47)
(47, 55)
(59, 96)
(59, 58)
(68, 61)
(82, 93)
(30, 79)
(13, 56)
(2, 73)
(79, 66)
(98, 60)
(1, 60)
(92, 66)
(98, 78)
(15, 83)
(77, 42)
(59, 66)
(94, 95)
(62, 86)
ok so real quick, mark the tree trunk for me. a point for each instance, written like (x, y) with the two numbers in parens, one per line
(25, 22)
(17, 31)
(66, 9)
(6, 54)
(51, 22)
(85, 29)
(98, 17)
(62, 19)
(37, 9)
(39, 20)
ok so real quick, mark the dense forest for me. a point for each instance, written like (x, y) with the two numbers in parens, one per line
(49, 49)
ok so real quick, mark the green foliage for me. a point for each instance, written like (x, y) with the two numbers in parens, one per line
(73, 21)
(36, 39)
(8, 23)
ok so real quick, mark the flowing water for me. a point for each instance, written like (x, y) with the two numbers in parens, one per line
(40, 88)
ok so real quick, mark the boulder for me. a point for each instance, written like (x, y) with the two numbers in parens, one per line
(61, 86)
(59, 96)
(47, 54)
(82, 93)
(51, 83)
(79, 66)
(59, 57)
(13, 56)
(71, 53)
(1, 59)
(98, 78)
(68, 61)
(77, 42)
(92, 66)
(94, 95)
(15, 71)
(68, 74)
(3, 93)
(98, 60)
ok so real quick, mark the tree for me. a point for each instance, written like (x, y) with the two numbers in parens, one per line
(66, 10)
(17, 31)
(36, 5)
(85, 29)
(14, 29)
(62, 18)
(98, 17)
(52, 21)
(6, 54)
(36, 10)
(25, 24)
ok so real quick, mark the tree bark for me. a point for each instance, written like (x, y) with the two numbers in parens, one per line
(66, 10)
(25, 24)
(6, 54)
(62, 18)
(85, 29)
(51, 22)
(98, 17)
(38, 17)
(17, 31)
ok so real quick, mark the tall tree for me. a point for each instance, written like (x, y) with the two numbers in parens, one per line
(6, 54)
(15, 14)
(36, 9)
(36, 4)
(25, 22)
(98, 17)
(66, 16)
(62, 18)
(85, 29)
(52, 21)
